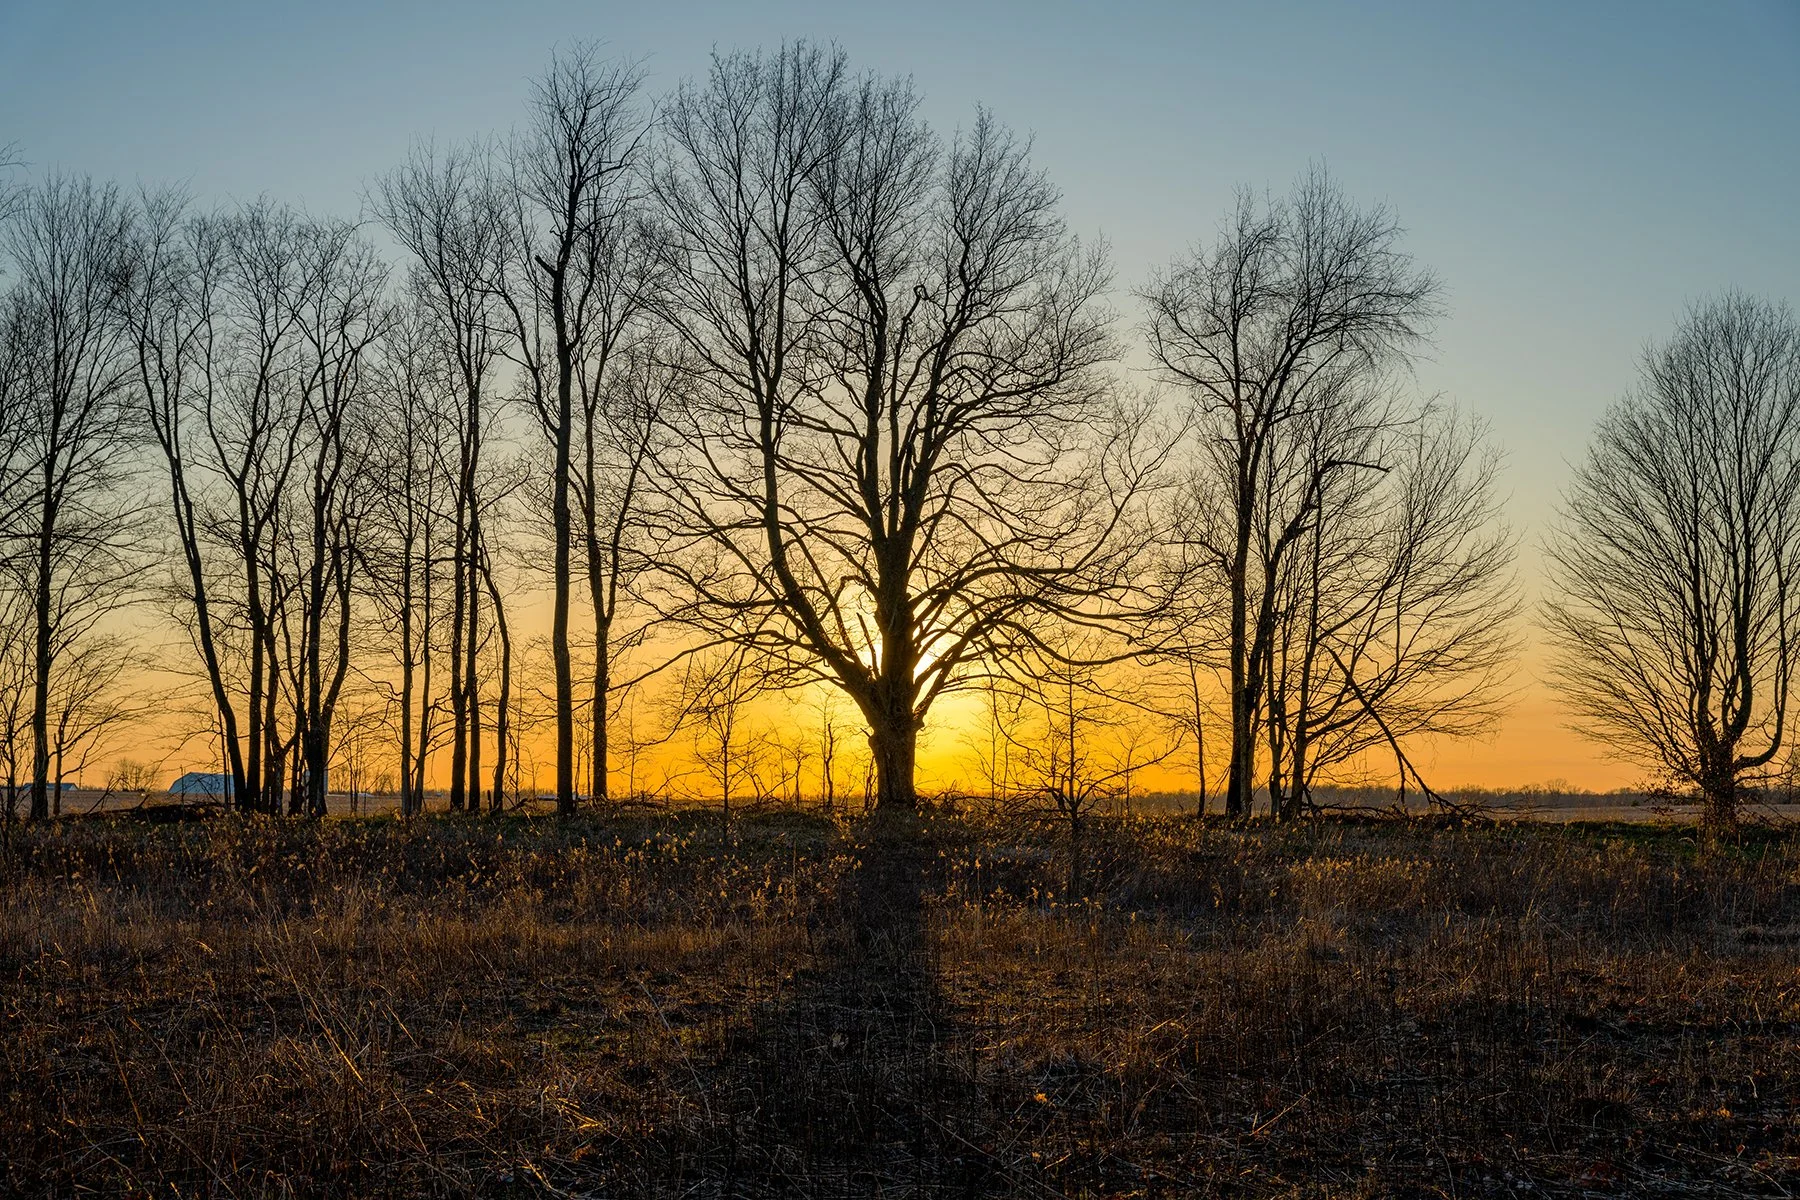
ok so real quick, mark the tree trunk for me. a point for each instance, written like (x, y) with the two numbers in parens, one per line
(1238, 784)
(559, 625)
(1718, 797)
(597, 565)
(1299, 785)
(252, 798)
(423, 752)
(406, 686)
(231, 750)
(602, 684)
(894, 746)
(274, 752)
(502, 723)
(318, 768)
(1199, 739)
(1275, 725)
(42, 660)
(471, 675)
(459, 701)
(314, 738)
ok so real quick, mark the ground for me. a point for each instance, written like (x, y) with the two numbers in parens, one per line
(667, 1007)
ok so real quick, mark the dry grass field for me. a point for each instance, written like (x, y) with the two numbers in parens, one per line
(662, 1007)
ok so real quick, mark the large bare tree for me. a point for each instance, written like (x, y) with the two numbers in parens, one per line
(571, 296)
(1674, 598)
(897, 439)
(1284, 317)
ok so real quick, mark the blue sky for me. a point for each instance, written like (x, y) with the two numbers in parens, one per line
(1576, 172)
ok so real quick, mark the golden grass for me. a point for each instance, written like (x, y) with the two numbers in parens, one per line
(652, 1007)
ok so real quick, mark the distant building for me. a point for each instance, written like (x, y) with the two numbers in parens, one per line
(202, 783)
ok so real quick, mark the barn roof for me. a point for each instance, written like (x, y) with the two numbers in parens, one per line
(201, 783)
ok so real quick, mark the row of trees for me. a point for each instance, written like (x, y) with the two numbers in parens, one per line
(767, 388)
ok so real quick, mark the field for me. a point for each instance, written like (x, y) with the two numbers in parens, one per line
(667, 1007)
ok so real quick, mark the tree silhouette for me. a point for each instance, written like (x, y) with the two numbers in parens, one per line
(896, 441)
(1673, 608)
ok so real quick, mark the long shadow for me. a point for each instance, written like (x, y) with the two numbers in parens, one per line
(857, 1083)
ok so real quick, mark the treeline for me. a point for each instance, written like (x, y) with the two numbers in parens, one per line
(768, 389)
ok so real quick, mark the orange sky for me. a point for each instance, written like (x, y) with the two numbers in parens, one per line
(1532, 745)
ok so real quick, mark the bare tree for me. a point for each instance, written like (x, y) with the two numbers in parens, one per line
(15, 696)
(505, 754)
(356, 747)
(403, 557)
(1078, 734)
(73, 546)
(896, 441)
(990, 749)
(1196, 715)
(449, 212)
(711, 701)
(1675, 565)
(1286, 316)
(212, 309)
(624, 390)
(571, 297)
(792, 749)
(828, 750)
(93, 703)
(1394, 614)
(21, 346)
(250, 335)
(339, 322)
(132, 777)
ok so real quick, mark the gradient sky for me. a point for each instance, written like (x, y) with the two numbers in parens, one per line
(1576, 172)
